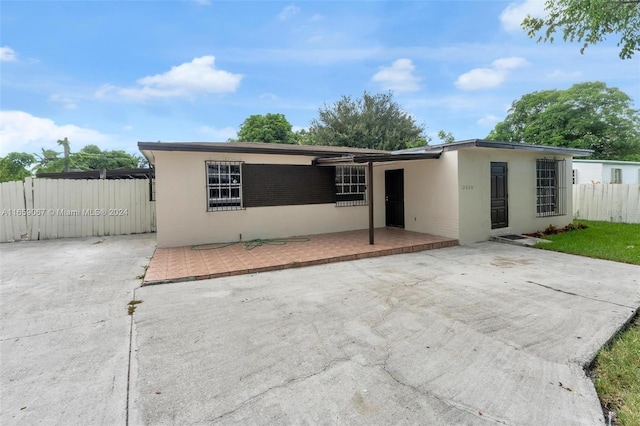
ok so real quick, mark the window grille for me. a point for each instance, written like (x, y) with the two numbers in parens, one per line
(616, 175)
(550, 188)
(351, 186)
(224, 185)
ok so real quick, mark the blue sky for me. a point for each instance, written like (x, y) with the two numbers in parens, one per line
(113, 73)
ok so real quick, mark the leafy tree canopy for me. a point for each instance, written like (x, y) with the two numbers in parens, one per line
(269, 128)
(589, 22)
(372, 121)
(15, 166)
(304, 137)
(446, 137)
(587, 115)
(92, 158)
(88, 158)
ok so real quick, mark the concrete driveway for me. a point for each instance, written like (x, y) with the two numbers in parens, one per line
(64, 328)
(483, 334)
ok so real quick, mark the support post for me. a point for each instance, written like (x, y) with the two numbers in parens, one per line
(370, 199)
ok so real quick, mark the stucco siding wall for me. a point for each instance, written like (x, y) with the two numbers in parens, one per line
(588, 172)
(431, 204)
(594, 171)
(183, 219)
(629, 172)
(430, 199)
(475, 193)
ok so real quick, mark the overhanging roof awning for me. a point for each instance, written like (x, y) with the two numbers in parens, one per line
(376, 158)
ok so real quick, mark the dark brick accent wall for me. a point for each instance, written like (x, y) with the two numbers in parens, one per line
(287, 185)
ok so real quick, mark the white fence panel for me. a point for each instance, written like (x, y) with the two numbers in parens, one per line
(40, 209)
(607, 202)
(13, 212)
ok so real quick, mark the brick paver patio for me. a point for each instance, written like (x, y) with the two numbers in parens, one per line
(220, 260)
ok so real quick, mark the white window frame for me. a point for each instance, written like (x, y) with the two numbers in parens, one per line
(224, 185)
(351, 185)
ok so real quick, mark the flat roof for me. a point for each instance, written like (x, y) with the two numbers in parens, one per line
(621, 162)
(484, 143)
(254, 148)
(341, 154)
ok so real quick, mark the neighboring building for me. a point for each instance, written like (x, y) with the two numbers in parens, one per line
(606, 171)
(469, 190)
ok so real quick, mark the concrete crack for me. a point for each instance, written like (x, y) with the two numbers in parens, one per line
(579, 295)
(455, 405)
(279, 386)
(60, 329)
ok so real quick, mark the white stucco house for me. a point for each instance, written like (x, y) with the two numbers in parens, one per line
(468, 190)
(605, 171)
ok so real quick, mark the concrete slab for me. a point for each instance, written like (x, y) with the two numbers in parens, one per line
(64, 328)
(482, 334)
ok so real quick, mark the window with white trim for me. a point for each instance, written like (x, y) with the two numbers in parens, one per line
(616, 175)
(351, 186)
(224, 185)
(550, 188)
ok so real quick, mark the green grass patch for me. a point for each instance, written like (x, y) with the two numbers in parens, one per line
(617, 376)
(603, 240)
(617, 367)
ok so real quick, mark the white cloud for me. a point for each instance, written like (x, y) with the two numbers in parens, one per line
(182, 81)
(128, 128)
(66, 101)
(23, 132)
(399, 76)
(217, 134)
(316, 17)
(509, 63)
(288, 12)
(7, 54)
(488, 120)
(515, 13)
(487, 78)
(269, 96)
(562, 75)
(203, 2)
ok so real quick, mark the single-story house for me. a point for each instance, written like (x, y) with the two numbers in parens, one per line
(606, 171)
(468, 190)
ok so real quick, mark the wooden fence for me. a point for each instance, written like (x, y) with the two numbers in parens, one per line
(607, 202)
(41, 209)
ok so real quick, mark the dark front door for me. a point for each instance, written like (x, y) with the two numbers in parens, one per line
(499, 210)
(394, 197)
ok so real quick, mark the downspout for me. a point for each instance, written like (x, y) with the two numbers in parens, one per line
(370, 197)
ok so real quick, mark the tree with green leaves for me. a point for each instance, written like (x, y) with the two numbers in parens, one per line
(90, 157)
(93, 158)
(15, 166)
(48, 161)
(587, 115)
(269, 128)
(304, 137)
(372, 121)
(589, 22)
(446, 137)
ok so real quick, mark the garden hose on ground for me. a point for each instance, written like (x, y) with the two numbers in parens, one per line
(251, 244)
